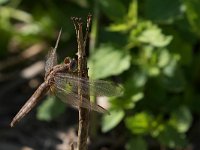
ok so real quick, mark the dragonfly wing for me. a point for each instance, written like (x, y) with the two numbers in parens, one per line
(51, 59)
(72, 99)
(92, 87)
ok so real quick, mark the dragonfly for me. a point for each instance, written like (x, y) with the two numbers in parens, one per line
(62, 80)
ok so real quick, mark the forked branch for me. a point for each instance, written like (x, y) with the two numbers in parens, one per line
(82, 72)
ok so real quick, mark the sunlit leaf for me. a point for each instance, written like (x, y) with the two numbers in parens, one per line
(153, 71)
(139, 123)
(164, 58)
(138, 96)
(118, 27)
(148, 34)
(118, 103)
(181, 119)
(153, 35)
(129, 20)
(133, 12)
(108, 61)
(137, 143)
(112, 120)
(170, 69)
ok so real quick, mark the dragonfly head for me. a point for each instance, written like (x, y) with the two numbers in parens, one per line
(72, 63)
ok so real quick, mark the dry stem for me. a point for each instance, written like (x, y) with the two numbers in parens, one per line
(82, 72)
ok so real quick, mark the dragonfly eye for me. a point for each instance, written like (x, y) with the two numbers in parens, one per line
(73, 65)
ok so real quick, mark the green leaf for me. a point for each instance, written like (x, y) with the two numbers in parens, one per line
(134, 86)
(137, 96)
(109, 7)
(163, 11)
(171, 138)
(170, 69)
(181, 119)
(117, 103)
(129, 20)
(50, 109)
(152, 35)
(119, 27)
(164, 58)
(108, 61)
(148, 34)
(193, 14)
(136, 144)
(139, 123)
(133, 11)
(112, 120)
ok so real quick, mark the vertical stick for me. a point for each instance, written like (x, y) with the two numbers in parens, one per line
(82, 72)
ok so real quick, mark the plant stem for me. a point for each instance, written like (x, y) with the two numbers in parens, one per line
(82, 72)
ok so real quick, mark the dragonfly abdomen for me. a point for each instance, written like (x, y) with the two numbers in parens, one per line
(41, 90)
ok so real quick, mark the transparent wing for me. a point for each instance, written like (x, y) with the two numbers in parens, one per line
(51, 59)
(72, 99)
(89, 87)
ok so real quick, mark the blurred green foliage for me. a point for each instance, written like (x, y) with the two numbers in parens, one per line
(51, 108)
(151, 46)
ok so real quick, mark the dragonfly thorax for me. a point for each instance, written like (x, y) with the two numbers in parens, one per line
(49, 77)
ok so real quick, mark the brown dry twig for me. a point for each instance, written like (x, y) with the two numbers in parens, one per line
(82, 72)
